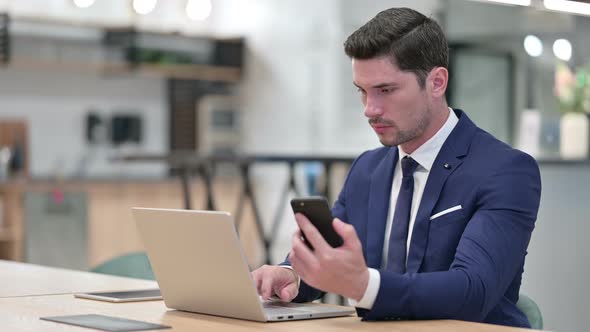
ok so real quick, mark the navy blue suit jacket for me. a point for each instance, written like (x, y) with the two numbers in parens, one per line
(466, 264)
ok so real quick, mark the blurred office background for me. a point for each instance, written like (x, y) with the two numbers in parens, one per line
(109, 104)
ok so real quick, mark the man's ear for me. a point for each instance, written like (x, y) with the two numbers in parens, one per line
(438, 80)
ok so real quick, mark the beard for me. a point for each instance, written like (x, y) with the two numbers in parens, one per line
(402, 136)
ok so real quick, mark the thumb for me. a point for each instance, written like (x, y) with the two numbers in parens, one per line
(288, 292)
(346, 231)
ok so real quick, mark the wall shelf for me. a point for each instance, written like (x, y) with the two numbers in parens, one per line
(63, 46)
(191, 72)
(71, 66)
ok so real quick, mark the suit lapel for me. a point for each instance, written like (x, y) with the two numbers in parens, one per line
(452, 152)
(380, 192)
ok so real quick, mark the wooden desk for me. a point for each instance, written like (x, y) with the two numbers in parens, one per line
(20, 279)
(22, 314)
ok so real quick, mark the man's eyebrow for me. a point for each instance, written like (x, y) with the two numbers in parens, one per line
(379, 86)
(384, 85)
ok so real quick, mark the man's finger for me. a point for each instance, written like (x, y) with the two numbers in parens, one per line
(302, 251)
(288, 293)
(266, 287)
(311, 233)
(257, 280)
(302, 258)
(347, 232)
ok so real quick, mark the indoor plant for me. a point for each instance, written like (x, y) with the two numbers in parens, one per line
(573, 96)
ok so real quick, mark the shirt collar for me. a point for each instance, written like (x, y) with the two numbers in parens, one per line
(427, 152)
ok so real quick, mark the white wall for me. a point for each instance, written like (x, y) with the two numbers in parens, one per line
(289, 83)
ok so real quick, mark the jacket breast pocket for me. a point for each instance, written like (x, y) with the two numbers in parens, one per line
(444, 235)
(455, 217)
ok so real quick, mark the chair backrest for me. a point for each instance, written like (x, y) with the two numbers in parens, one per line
(133, 265)
(531, 310)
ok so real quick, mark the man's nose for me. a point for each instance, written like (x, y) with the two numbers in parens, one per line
(372, 109)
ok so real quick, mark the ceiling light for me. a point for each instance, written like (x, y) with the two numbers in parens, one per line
(83, 3)
(574, 7)
(198, 10)
(513, 2)
(533, 45)
(144, 7)
(562, 49)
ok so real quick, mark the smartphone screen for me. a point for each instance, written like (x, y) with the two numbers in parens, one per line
(317, 210)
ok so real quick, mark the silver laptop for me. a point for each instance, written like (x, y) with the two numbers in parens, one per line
(200, 266)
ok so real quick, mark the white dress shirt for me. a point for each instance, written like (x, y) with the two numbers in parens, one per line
(424, 156)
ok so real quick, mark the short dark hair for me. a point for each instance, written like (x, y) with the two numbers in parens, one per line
(414, 42)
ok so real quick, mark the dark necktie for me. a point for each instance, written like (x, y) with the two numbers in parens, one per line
(396, 258)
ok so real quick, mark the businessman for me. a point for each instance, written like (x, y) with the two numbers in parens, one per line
(437, 222)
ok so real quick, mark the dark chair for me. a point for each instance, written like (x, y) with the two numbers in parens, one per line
(133, 265)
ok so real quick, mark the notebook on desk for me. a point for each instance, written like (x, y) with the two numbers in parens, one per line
(200, 266)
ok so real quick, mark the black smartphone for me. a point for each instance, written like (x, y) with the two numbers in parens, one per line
(317, 210)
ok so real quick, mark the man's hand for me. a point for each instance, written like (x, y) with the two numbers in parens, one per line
(275, 280)
(339, 270)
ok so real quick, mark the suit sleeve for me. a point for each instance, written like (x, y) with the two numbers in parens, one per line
(490, 253)
(306, 292)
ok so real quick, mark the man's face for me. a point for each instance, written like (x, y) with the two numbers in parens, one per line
(397, 108)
